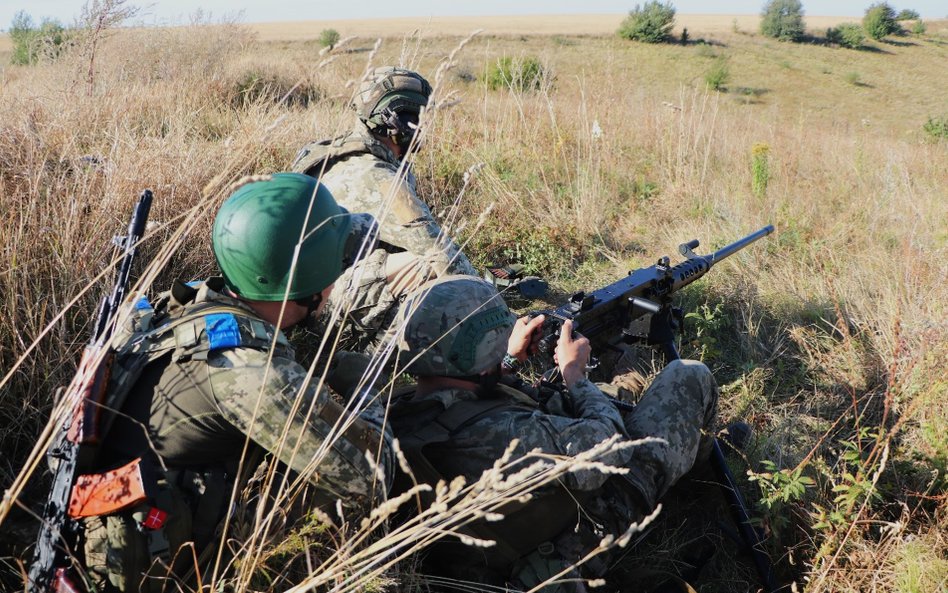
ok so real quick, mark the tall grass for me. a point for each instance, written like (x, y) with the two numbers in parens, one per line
(832, 338)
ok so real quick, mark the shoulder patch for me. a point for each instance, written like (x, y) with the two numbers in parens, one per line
(222, 330)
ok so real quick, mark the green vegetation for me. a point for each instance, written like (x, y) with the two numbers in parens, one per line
(520, 74)
(32, 43)
(937, 127)
(854, 78)
(880, 21)
(760, 169)
(651, 22)
(783, 20)
(919, 28)
(329, 38)
(848, 35)
(717, 75)
(907, 14)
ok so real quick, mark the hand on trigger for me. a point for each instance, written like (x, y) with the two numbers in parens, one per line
(525, 338)
(572, 354)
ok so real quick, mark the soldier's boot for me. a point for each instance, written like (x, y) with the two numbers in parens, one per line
(542, 565)
(736, 436)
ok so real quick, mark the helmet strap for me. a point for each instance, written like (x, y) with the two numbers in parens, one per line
(400, 127)
(311, 304)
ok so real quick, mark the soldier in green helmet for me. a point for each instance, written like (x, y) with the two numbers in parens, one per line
(207, 369)
(461, 343)
(365, 169)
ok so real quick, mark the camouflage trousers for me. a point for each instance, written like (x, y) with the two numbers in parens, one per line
(678, 406)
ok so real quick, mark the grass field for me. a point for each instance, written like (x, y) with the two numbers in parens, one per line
(829, 337)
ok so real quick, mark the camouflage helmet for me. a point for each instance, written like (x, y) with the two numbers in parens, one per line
(400, 90)
(257, 232)
(455, 326)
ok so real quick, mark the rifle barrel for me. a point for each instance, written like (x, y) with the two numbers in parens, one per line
(739, 244)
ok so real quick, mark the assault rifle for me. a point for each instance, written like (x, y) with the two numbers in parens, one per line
(59, 530)
(638, 309)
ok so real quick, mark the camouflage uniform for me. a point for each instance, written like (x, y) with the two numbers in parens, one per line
(678, 404)
(364, 176)
(455, 327)
(192, 410)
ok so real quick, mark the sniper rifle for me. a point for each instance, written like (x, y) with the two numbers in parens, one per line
(638, 309)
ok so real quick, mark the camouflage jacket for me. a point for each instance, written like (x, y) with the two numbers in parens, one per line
(474, 447)
(200, 403)
(364, 176)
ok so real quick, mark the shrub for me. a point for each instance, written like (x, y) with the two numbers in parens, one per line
(907, 14)
(717, 76)
(523, 74)
(760, 169)
(651, 22)
(848, 35)
(31, 43)
(919, 28)
(329, 38)
(264, 86)
(854, 78)
(783, 20)
(880, 21)
(937, 127)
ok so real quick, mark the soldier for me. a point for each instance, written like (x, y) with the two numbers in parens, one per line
(366, 171)
(216, 371)
(461, 339)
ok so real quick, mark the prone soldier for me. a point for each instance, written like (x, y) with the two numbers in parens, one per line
(366, 170)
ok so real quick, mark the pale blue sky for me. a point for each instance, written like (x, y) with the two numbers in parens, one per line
(177, 11)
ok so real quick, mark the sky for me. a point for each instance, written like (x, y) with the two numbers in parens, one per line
(177, 11)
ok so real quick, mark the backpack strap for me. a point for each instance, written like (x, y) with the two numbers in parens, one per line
(201, 329)
(317, 157)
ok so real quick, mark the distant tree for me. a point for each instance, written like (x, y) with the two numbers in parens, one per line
(783, 20)
(30, 42)
(880, 21)
(329, 38)
(651, 22)
(848, 35)
(907, 14)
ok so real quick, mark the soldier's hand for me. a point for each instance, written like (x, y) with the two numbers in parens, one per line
(572, 354)
(525, 337)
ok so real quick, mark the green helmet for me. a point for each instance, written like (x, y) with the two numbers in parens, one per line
(258, 228)
(455, 326)
(402, 91)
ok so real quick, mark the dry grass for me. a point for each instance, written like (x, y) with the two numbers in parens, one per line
(831, 338)
(566, 24)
